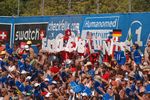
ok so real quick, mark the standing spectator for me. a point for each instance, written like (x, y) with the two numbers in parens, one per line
(147, 53)
(1, 46)
(31, 51)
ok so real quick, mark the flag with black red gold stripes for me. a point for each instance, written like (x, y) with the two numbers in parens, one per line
(117, 33)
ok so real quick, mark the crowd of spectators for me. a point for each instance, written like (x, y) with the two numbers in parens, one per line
(25, 75)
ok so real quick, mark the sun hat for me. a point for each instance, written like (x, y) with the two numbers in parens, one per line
(29, 42)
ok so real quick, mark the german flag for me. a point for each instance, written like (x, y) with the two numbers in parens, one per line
(117, 33)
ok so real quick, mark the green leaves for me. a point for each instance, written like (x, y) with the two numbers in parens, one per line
(60, 7)
(8, 7)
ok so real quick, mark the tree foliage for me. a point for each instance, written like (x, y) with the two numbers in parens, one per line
(60, 7)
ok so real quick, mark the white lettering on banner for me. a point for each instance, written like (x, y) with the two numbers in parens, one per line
(56, 45)
(62, 25)
(98, 36)
(96, 24)
(106, 48)
(81, 46)
(44, 47)
(106, 22)
(69, 45)
(59, 45)
(137, 31)
(28, 35)
(52, 45)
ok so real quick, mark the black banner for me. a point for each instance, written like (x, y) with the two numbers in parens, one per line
(5, 31)
(32, 32)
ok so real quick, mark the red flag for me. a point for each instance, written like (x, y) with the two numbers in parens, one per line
(3, 35)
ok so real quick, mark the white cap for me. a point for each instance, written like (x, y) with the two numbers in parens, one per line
(84, 94)
(48, 94)
(36, 84)
(28, 78)
(54, 82)
(46, 79)
(26, 47)
(24, 72)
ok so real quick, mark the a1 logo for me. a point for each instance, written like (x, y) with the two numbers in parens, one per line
(134, 33)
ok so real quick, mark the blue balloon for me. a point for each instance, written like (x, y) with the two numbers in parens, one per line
(106, 96)
(120, 57)
(87, 91)
(147, 89)
(76, 88)
(73, 84)
(20, 86)
(137, 57)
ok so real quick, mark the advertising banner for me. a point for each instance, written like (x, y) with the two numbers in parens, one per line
(33, 32)
(57, 25)
(5, 32)
(134, 27)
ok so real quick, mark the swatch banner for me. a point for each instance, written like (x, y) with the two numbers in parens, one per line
(134, 27)
(33, 32)
(5, 31)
